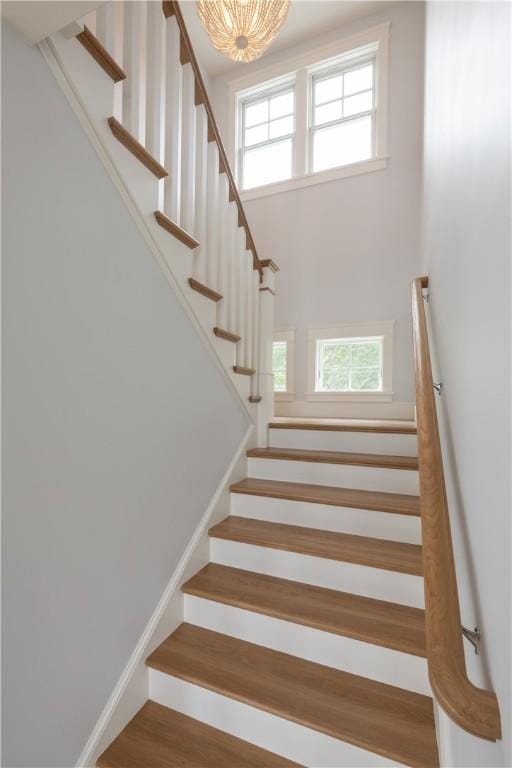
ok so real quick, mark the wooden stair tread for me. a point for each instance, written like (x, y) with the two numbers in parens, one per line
(101, 55)
(136, 148)
(344, 547)
(361, 618)
(204, 290)
(159, 737)
(346, 425)
(375, 716)
(336, 457)
(399, 503)
(226, 335)
(175, 230)
(244, 371)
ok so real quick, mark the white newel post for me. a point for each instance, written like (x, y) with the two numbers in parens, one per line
(266, 377)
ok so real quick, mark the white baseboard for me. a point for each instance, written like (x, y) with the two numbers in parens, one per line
(131, 690)
(334, 410)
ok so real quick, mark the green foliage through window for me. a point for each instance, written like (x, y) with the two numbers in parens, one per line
(349, 365)
(279, 351)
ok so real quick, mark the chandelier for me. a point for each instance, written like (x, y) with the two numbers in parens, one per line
(242, 29)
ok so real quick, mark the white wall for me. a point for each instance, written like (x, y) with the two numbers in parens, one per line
(348, 249)
(467, 256)
(117, 424)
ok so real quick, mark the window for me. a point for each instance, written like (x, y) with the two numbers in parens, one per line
(342, 116)
(283, 356)
(315, 118)
(349, 365)
(267, 137)
(351, 362)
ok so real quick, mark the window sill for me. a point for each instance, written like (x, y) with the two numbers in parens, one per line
(350, 397)
(311, 179)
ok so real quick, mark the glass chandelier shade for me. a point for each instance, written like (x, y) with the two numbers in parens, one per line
(242, 29)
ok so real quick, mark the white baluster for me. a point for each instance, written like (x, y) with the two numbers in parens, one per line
(224, 224)
(155, 83)
(212, 216)
(188, 150)
(106, 27)
(248, 308)
(173, 105)
(232, 276)
(134, 67)
(242, 296)
(202, 171)
(255, 328)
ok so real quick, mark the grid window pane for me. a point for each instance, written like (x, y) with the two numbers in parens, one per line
(268, 163)
(362, 102)
(328, 112)
(281, 127)
(256, 113)
(279, 352)
(256, 135)
(348, 365)
(358, 80)
(341, 144)
(328, 89)
(282, 105)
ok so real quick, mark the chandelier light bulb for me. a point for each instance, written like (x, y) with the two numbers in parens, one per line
(242, 29)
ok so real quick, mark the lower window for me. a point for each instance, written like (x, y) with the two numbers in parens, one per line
(351, 362)
(283, 356)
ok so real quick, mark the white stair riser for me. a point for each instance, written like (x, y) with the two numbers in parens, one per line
(342, 475)
(346, 577)
(372, 661)
(356, 442)
(283, 737)
(361, 522)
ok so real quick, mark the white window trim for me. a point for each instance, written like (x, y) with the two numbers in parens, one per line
(289, 337)
(384, 329)
(298, 66)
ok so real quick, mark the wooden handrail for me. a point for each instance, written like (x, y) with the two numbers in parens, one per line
(474, 709)
(187, 55)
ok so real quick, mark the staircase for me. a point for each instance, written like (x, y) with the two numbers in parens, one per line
(304, 636)
(303, 640)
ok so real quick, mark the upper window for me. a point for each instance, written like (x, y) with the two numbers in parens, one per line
(268, 126)
(312, 119)
(343, 116)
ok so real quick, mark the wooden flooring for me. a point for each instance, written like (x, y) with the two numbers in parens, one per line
(159, 737)
(401, 504)
(336, 457)
(390, 721)
(361, 618)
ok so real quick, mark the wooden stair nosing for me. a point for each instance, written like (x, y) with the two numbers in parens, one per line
(160, 737)
(175, 230)
(100, 54)
(136, 148)
(255, 399)
(342, 547)
(227, 335)
(366, 619)
(244, 371)
(204, 290)
(380, 718)
(378, 501)
(332, 425)
(381, 461)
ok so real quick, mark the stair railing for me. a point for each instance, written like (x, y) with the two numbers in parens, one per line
(163, 114)
(474, 709)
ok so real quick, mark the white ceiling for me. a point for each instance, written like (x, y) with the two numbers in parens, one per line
(36, 19)
(306, 18)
